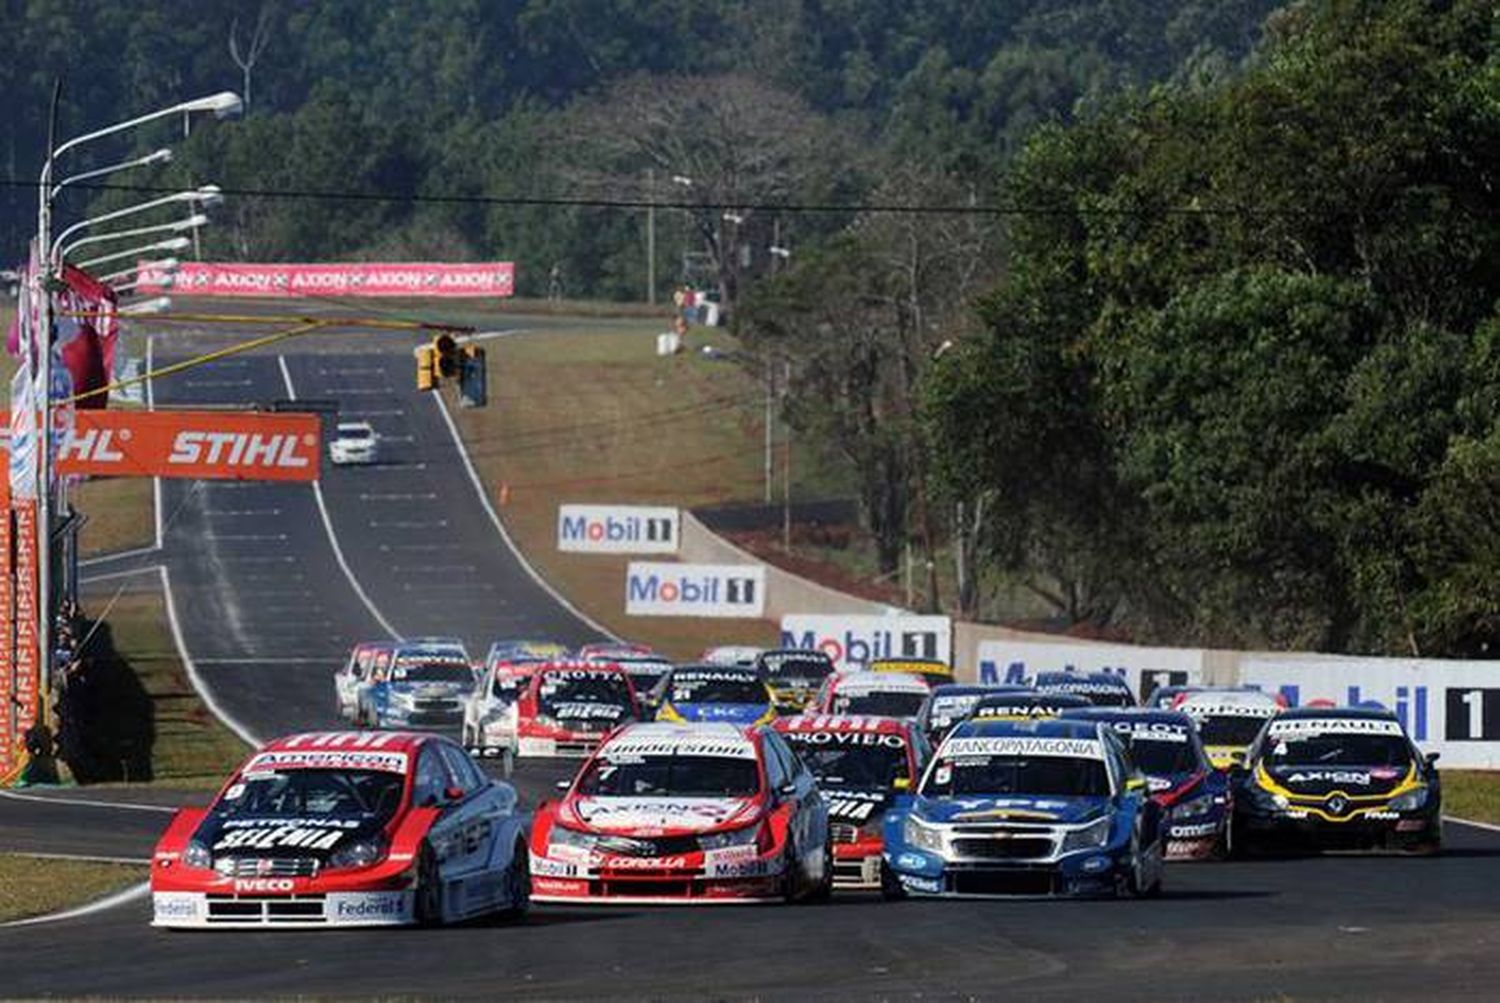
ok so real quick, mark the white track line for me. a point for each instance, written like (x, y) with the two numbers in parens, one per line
(88, 858)
(338, 552)
(1470, 822)
(118, 555)
(204, 692)
(90, 579)
(109, 902)
(484, 499)
(85, 802)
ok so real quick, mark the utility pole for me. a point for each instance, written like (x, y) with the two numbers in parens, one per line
(769, 424)
(651, 236)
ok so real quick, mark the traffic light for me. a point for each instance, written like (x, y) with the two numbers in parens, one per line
(445, 357)
(424, 368)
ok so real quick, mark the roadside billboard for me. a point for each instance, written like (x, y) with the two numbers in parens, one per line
(617, 529)
(1143, 668)
(713, 590)
(213, 445)
(854, 640)
(204, 278)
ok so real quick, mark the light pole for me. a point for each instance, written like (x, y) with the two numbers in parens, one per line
(166, 265)
(162, 156)
(222, 105)
(174, 244)
(62, 253)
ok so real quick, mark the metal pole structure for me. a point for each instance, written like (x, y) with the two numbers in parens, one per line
(41, 373)
(769, 427)
(651, 236)
(786, 488)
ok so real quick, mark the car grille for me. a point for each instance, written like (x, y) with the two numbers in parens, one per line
(1021, 848)
(282, 909)
(843, 832)
(1002, 882)
(660, 846)
(268, 867)
(437, 706)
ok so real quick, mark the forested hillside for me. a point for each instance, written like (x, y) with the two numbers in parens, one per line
(506, 99)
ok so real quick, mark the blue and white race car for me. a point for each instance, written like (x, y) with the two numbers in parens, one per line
(1195, 798)
(1026, 808)
(1102, 689)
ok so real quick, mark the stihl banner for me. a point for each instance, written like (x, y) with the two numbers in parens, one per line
(208, 445)
(201, 278)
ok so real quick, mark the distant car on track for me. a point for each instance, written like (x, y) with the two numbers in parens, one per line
(1195, 798)
(566, 708)
(861, 763)
(645, 666)
(934, 672)
(794, 675)
(731, 654)
(951, 703)
(1338, 778)
(522, 650)
(425, 686)
(355, 674)
(673, 813)
(884, 694)
(354, 442)
(1229, 720)
(345, 829)
(1026, 808)
(713, 693)
(1102, 689)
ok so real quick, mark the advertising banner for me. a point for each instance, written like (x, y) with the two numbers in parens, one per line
(1448, 707)
(10, 738)
(213, 445)
(717, 590)
(26, 691)
(23, 438)
(203, 278)
(617, 529)
(854, 640)
(1144, 668)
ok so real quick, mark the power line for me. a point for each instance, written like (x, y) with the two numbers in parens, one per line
(802, 208)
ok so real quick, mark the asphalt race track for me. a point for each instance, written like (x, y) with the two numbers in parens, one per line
(267, 609)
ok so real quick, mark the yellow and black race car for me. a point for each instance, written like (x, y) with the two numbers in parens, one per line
(1345, 778)
(935, 672)
(793, 675)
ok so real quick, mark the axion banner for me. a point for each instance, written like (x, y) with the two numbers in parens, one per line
(203, 278)
(211, 445)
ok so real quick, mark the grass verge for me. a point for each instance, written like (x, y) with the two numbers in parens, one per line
(1472, 794)
(590, 413)
(119, 514)
(146, 694)
(35, 886)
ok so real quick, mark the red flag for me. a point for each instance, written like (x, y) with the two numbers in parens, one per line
(87, 328)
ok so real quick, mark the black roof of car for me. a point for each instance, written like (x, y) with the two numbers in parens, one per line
(1362, 713)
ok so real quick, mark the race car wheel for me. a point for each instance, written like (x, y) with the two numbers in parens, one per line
(518, 882)
(1224, 846)
(1134, 884)
(791, 879)
(507, 763)
(823, 891)
(890, 885)
(429, 893)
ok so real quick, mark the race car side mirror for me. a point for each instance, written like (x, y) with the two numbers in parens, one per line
(453, 794)
(787, 790)
(563, 785)
(1135, 784)
(1433, 757)
(901, 784)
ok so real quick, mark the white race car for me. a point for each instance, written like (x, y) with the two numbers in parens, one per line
(354, 442)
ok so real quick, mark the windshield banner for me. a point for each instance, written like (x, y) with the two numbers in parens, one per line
(203, 278)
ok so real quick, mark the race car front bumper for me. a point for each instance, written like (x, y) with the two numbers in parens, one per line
(1193, 840)
(1083, 875)
(255, 910)
(1395, 831)
(715, 877)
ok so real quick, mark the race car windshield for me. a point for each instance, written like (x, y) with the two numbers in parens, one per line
(592, 688)
(1161, 759)
(355, 433)
(1343, 750)
(995, 775)
(717, 691)
(435, 672)
(812, 669)
(362, 794)
(866, 767)
(680, 776)
(1110, 698)
(1229, 730)
(886, 703)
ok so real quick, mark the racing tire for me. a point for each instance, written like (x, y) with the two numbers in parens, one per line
(427, 907)
(1133, 885)
(508, 763)
(1224, 845)
(518, 883)
(791, 880)
(890, 885)
(823, 891)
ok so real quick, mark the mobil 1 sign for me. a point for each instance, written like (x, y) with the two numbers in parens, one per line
(660, 589)
(1143, 668)
(855, 640)
(617, 529)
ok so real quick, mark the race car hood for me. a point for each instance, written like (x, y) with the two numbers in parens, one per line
(856, 807)
(734, 713)
(1360, 781)
(654, 816)
(280, 836)
(1017, 808)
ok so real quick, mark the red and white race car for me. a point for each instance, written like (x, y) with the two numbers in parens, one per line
(566, 708)
(685, 813)
(861, 763)
(883, 694)
(349, 828)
